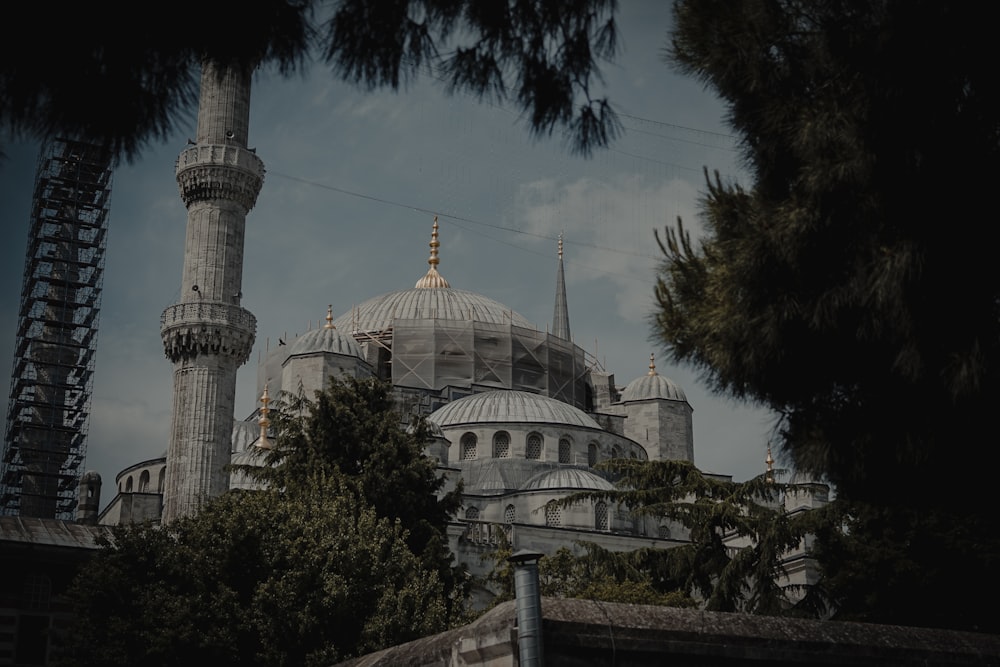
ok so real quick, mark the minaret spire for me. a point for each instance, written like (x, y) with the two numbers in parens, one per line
(207, 334)
(560, 316)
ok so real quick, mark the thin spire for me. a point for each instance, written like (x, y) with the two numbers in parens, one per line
(560, 315)
(264, 421)
(432, 278)
(329, 318)
(652, 366)
(770, 465)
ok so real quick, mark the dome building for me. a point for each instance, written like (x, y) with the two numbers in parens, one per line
(521, 416)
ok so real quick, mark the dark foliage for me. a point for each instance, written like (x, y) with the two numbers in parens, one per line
(125, 75)
(849, 286)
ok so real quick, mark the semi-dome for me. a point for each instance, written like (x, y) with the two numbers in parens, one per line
(568, 478)
(652, 385)
(432, 297)
(511, 406)
(329, 338)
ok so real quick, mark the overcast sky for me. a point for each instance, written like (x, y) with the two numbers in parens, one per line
(353, 182)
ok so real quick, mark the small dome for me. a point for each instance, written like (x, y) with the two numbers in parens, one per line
(511, 406)
(326, 339)
(568, 478)
(652, 385)
(91, 476)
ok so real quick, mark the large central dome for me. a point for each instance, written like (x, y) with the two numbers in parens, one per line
(441, 303)
(432, 298)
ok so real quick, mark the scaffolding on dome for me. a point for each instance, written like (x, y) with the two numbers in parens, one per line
(48, 413)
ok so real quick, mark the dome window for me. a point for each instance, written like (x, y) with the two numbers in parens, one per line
(501, 445)
(553, 514)
(472, 513)
(144, 481)
(468, 445)
(509, 514)
(601, 516)
(533, 449)
(592, 454)
(564, 450)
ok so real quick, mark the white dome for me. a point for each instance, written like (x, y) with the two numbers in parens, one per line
(652, 385)
(421, 303)
(511, 406)
(325, 339)
(568, 478)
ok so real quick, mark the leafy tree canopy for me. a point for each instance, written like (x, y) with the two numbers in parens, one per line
(255, 578)
(353, 430)
(123, 76)
(849, 286)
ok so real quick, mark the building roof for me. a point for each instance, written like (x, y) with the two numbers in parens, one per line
(651, 386)
(505, 406)
(30, 531)
(568, 478)
(431, 298)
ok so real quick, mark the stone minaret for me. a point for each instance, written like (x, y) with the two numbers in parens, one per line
(207, 334)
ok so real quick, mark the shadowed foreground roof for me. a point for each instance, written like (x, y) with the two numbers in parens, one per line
(586, 632)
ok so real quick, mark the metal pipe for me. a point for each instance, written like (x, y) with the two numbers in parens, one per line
(529, 608)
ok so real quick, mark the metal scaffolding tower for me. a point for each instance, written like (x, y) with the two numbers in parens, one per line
(47, 418)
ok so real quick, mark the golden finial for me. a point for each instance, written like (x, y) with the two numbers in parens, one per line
(560, 245)
(652, 366)
(770, 465)
(264, 422)
(329, 318)
(432, 277)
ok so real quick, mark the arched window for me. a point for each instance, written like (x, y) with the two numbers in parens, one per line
(159, 483)
(564, 450)
(664, 533)
(128, 484)
(468, 447)
(501, 445)
(553, 514)
(592, 454)
(601, 516)
(472, 513)
(616, 452)
(509, 514)
(144, 481)
(533, 448)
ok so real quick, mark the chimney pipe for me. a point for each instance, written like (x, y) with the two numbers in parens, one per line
(529, 607)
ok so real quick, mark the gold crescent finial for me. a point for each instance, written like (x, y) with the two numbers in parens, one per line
(652, 366)
(264, 421)
(432, 278)
(770, 464)
(560, 245)
(329, 318)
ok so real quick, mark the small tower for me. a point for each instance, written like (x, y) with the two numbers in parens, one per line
(207, 334)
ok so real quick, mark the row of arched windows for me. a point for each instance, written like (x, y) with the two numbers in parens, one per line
(469, 447)
(144, 482)
(553, 515)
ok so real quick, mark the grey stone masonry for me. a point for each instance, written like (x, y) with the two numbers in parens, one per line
(208, 334)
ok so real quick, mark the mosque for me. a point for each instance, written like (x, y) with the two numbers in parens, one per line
(521, 414)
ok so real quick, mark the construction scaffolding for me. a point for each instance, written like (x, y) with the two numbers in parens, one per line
(48, 413)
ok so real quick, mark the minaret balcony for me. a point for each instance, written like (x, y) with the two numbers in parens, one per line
(217, 171)
(205, 328)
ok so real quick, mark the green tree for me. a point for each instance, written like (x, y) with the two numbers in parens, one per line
(849, 286)
(540, 55)
(303, 576)
(354, 430)
(738, 537)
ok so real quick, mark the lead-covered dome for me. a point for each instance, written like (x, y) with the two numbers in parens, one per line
(419, 303)
(431, 298)
(568, 478)
(511, 406)
(651, 386)
(326, 339)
